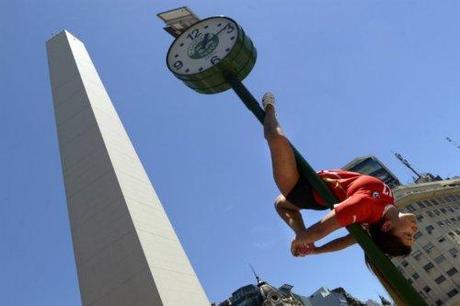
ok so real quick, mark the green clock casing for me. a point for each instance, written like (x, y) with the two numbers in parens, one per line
(208, 51)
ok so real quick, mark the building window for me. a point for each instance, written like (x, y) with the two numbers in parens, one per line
(426, 289)
(429, 228)
(417, 235)
(421, 205)
(434, 202)
(416, 276)
(428, 267)
(410, 208)
(438, 303)
(419, 217)
(436, 212)
(430, 214)
(440, 279)
(452, 271)
(453, 252)
(439, 259)
(451, 234)
(417, 255)
(443, 210)
(404, 263)
(452, 292)
(427, 203)
(442, 239)
(427, 247)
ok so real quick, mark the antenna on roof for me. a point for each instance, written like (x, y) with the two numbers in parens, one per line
(255, 274)
(421, 178)
(406, 163)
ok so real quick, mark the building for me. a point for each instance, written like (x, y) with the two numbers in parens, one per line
(126, 250)
(326, 297)
(433, 267)
(371, 165)
(264, 294)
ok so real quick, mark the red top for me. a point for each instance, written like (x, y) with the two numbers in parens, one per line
(364, 198)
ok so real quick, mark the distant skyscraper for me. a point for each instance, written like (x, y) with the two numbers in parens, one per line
(371, 165)
(126, 250)
(433, 267)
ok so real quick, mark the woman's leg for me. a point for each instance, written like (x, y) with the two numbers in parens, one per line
(286, 177)
(283, 161)
(290, 214)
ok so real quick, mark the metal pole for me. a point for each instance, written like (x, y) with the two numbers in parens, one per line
(383, 263)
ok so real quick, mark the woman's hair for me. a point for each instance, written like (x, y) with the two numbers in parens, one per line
(392, 246)
(392, 291)
(387, 241)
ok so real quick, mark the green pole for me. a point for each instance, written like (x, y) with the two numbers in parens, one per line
(383, 263)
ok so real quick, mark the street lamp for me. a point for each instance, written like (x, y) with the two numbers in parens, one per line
(213, 55)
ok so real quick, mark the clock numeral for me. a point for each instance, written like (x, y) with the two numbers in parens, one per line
(215, 59)
(229, 28)
(195, 33)
(178, 65)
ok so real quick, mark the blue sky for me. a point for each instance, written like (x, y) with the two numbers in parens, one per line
(351, 78)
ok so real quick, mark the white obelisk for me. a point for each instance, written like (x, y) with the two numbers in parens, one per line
(126, 250)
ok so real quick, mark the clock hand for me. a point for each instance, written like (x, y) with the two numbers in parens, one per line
(223, 29)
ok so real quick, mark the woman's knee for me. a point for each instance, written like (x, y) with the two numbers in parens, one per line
(282, 203)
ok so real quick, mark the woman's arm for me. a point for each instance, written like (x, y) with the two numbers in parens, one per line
(319, 230)
(335, 245)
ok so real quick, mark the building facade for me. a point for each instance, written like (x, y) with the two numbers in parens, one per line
(433, 267)
(371, 165)
(264, 294)
(126, 250)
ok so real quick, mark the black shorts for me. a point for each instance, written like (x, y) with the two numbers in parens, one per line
(301, 195)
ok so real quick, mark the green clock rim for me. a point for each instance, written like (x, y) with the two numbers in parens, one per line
(240, 31)
(223, 86)
(241, 74)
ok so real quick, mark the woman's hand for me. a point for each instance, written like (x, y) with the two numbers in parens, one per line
(299, 248)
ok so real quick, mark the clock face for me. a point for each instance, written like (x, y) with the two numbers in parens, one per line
(202, 46)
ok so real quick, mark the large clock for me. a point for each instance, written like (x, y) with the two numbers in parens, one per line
(208, 52)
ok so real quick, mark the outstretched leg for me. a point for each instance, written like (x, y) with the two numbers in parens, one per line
(285, 174)
(283, 160)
